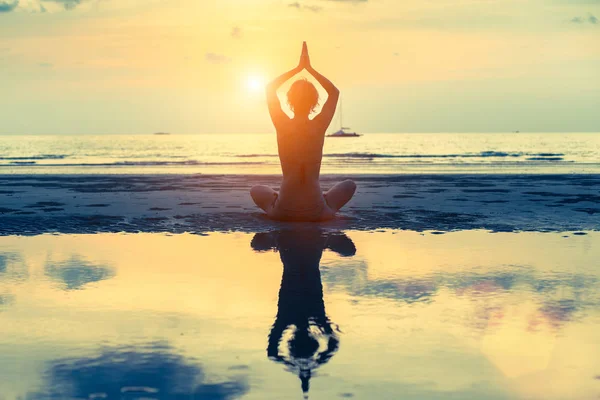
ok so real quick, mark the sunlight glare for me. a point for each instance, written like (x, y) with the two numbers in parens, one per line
(255, 84)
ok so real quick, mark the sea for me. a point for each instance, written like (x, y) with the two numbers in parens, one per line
(376, 153)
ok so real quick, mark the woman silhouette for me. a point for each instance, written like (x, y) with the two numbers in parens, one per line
(300, 143)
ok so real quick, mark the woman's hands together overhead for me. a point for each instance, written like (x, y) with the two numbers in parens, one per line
(304, 58)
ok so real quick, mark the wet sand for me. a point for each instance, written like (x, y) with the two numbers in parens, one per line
(35, 204)
(425, 287)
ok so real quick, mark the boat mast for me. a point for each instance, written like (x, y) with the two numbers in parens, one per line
(341, 114)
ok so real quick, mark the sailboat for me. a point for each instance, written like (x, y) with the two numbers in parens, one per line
(344, 131)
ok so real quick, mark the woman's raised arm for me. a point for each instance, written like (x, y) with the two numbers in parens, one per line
(333, 94)
(277, 114)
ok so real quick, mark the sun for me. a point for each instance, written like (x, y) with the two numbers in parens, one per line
(255, 84)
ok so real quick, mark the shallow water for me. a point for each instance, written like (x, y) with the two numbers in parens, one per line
(365, 315)
(372, 153)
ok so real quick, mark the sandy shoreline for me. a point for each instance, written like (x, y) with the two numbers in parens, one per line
(35, 204)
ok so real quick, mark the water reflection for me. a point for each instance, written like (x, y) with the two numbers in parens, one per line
(3, 263)
(560, 297)
(154, 371)
(519, 313)
(302, 337)
(12, 268)
(5, 299)
(75, 273)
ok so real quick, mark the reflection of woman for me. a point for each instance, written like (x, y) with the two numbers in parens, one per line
(302, 336)
(300, 143)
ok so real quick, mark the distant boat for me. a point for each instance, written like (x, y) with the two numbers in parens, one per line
(162, 133)
(344, 131)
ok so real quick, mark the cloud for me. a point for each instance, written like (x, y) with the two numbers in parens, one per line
(591, 19)
(36, 5)
(299, 6)
(67, 4)
(236, 32)
(8, 6)
(216, 58)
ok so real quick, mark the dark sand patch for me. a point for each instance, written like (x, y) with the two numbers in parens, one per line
(580, 198)
(590, 211)
(24, 212)
(549, 194)
(156, 219)
(42, 204)
(438, 190)
(486, 191)
(158, 209)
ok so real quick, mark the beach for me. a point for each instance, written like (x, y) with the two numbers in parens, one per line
(36, 204)
(478, 281)
(442, 159)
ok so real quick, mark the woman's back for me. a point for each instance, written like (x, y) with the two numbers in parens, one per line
(300, 148)
(300, 145)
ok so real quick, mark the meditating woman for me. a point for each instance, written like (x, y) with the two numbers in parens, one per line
(300, 143)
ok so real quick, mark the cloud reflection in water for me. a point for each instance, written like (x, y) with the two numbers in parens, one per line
(153, 371)
(560, 297)
(76, 273)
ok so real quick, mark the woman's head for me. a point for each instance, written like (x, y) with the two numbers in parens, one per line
(303, 97)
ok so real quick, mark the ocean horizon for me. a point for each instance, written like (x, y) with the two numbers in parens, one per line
(377, 153)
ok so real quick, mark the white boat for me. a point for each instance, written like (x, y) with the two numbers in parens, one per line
(344, 131)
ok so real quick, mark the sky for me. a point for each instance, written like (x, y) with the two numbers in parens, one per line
(199, 66)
